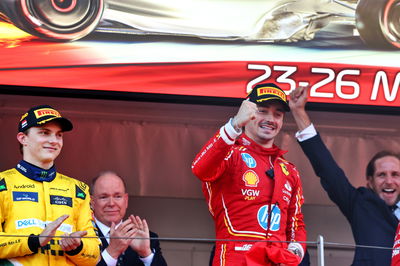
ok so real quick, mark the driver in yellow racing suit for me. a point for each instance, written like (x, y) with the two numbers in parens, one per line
(37, 204)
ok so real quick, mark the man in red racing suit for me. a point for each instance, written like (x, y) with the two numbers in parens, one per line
(254, 195)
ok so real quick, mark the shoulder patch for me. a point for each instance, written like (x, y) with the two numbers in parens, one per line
(3, 185)
(79, 193)
(82, 185)
(284, 169)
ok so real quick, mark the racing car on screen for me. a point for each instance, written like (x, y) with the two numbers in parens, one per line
(377, 21)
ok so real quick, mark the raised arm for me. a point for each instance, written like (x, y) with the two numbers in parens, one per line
(209, 162)
(333, 179)
(297, 103)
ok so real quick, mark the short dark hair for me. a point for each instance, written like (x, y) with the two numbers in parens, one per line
(371, 165)
(94, 180)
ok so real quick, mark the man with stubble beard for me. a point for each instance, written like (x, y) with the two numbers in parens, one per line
(254, 195)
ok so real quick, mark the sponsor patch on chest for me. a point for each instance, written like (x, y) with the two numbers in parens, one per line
(25, 196)
(60, 200)
(34, 222)
(249, 160)
(269, 216)
(250, 178)
(250, 194)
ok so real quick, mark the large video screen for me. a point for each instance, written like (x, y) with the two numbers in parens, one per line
(346, 51)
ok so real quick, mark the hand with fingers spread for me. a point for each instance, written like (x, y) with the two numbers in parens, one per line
(297, 103)
(73, 240)
(120, 238)
(142, 242)
(246, 113)
(50, 230)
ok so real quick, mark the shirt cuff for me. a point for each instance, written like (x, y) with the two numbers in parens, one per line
(306, 133)
(297, 249)
(110, 261)
(147, 260)
(228, 133)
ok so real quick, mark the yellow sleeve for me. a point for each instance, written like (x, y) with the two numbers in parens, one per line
(90, 253)
(11, 244)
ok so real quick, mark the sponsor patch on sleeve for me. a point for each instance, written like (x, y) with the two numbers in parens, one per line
(3, 185)
(79, 193)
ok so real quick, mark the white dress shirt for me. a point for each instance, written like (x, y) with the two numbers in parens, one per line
(108, 259)
(306, 133)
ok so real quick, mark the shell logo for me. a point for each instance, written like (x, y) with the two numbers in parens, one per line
(284, 169)
(250, 178)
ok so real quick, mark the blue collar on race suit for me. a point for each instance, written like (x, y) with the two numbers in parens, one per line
(36, 173)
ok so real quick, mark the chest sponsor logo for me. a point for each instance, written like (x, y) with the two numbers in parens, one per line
(60, 200)
(34, 222)
(25, 196)
(60, 189)
(284, 169)
(250, 178)
(263, 217)
(250, 194)
(24, 186)
(249, 160)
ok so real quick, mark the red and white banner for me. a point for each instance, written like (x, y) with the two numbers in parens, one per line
(329, 82)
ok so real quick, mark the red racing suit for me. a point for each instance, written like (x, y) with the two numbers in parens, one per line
(396, 248)
(247, 204)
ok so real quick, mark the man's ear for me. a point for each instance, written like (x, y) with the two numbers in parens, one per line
(91, 202)
(21, 137)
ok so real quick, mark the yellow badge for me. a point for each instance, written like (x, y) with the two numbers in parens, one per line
(284, 169)
(271, 90)
(46, 111)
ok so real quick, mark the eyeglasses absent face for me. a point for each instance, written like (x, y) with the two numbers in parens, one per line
(109, 199)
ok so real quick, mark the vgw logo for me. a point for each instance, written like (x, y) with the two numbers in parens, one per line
(263, 217)
(250, 162)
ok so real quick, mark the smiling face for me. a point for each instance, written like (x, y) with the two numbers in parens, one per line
(41, 145)
(109, 199)
(386, 179)
(267, 124)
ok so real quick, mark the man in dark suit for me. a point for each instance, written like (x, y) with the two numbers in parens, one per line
(372, 211)
(123, 242)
